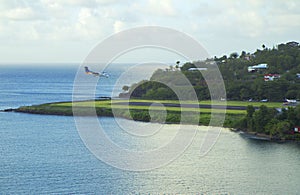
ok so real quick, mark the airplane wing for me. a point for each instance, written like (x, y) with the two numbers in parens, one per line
(103, 74)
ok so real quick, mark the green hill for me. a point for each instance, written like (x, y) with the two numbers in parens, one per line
(283, 65)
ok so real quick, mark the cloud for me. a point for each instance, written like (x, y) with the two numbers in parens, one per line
(160, 8)
(118, 26)
(252, 19)
(80, 3)
(20, 13)
(54, 9)
(225, 23)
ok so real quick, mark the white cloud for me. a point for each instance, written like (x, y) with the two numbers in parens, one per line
(118, 26)
(20, 13)
(91, 26)
(54, 9)
(225, 23)
(80, 3)
(160, 8)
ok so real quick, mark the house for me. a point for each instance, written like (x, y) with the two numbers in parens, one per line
(293, 44)
(297, 129)
(210, 62)
(248, 57)
(271, 77)
(298, 75)
(257, 67)
(196, 69)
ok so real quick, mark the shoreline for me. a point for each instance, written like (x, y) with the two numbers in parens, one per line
(138, 110)
(263, 137)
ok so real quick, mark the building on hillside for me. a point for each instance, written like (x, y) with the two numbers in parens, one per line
(298, 75)
(271, 77)
(248, 57)
(257, 67)
(297, 129)
(293, 44)
(196, 69)
(210, 62)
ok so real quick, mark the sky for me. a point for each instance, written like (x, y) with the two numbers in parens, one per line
(51, 31)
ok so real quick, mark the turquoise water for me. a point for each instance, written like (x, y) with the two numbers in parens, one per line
(44, 154)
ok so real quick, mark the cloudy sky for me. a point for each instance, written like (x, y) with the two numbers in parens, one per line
(67, 30)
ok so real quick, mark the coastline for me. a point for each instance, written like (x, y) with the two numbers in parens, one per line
(138, 110)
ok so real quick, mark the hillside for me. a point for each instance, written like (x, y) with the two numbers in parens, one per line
(242, 74)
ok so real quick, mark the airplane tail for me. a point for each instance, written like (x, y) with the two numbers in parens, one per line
(87, 69)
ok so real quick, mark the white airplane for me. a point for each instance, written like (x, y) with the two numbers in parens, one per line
(102, 74)
(291, 101)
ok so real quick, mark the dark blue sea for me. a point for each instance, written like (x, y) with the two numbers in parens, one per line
(43, 154)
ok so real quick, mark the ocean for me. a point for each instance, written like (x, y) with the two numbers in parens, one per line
(43, 154)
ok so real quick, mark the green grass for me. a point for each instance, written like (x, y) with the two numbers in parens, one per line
(114, 104)
(208, 102)
(108, 104)
(141, 113)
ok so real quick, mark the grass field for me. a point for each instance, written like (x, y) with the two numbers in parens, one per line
(208, 102)
(114, 104)
(141, 112)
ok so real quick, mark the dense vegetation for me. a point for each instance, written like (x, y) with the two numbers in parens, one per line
(240, 83)
(268, 121)
(283, 59)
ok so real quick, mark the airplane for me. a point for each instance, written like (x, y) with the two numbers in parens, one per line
(102, 74)
(290, 101)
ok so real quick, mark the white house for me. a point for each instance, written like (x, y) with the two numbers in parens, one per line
(256, 67)
(195, 69)
(271, 77)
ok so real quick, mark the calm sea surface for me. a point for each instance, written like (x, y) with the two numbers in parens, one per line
(44, 154)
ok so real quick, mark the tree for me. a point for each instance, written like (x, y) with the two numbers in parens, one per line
(250, 111)
(234, 55)
(240, 84)
(249, 117)
(125, 88)
(297, 115)
(291, 115)
(177, 64)
(271, 127)
(281, 128)
(291, 94)
(243, 54)
(262, 117)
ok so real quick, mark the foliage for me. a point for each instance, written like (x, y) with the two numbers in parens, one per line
(240, 84)
(271, 122)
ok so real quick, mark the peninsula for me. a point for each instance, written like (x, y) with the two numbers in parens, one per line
(256, 85)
